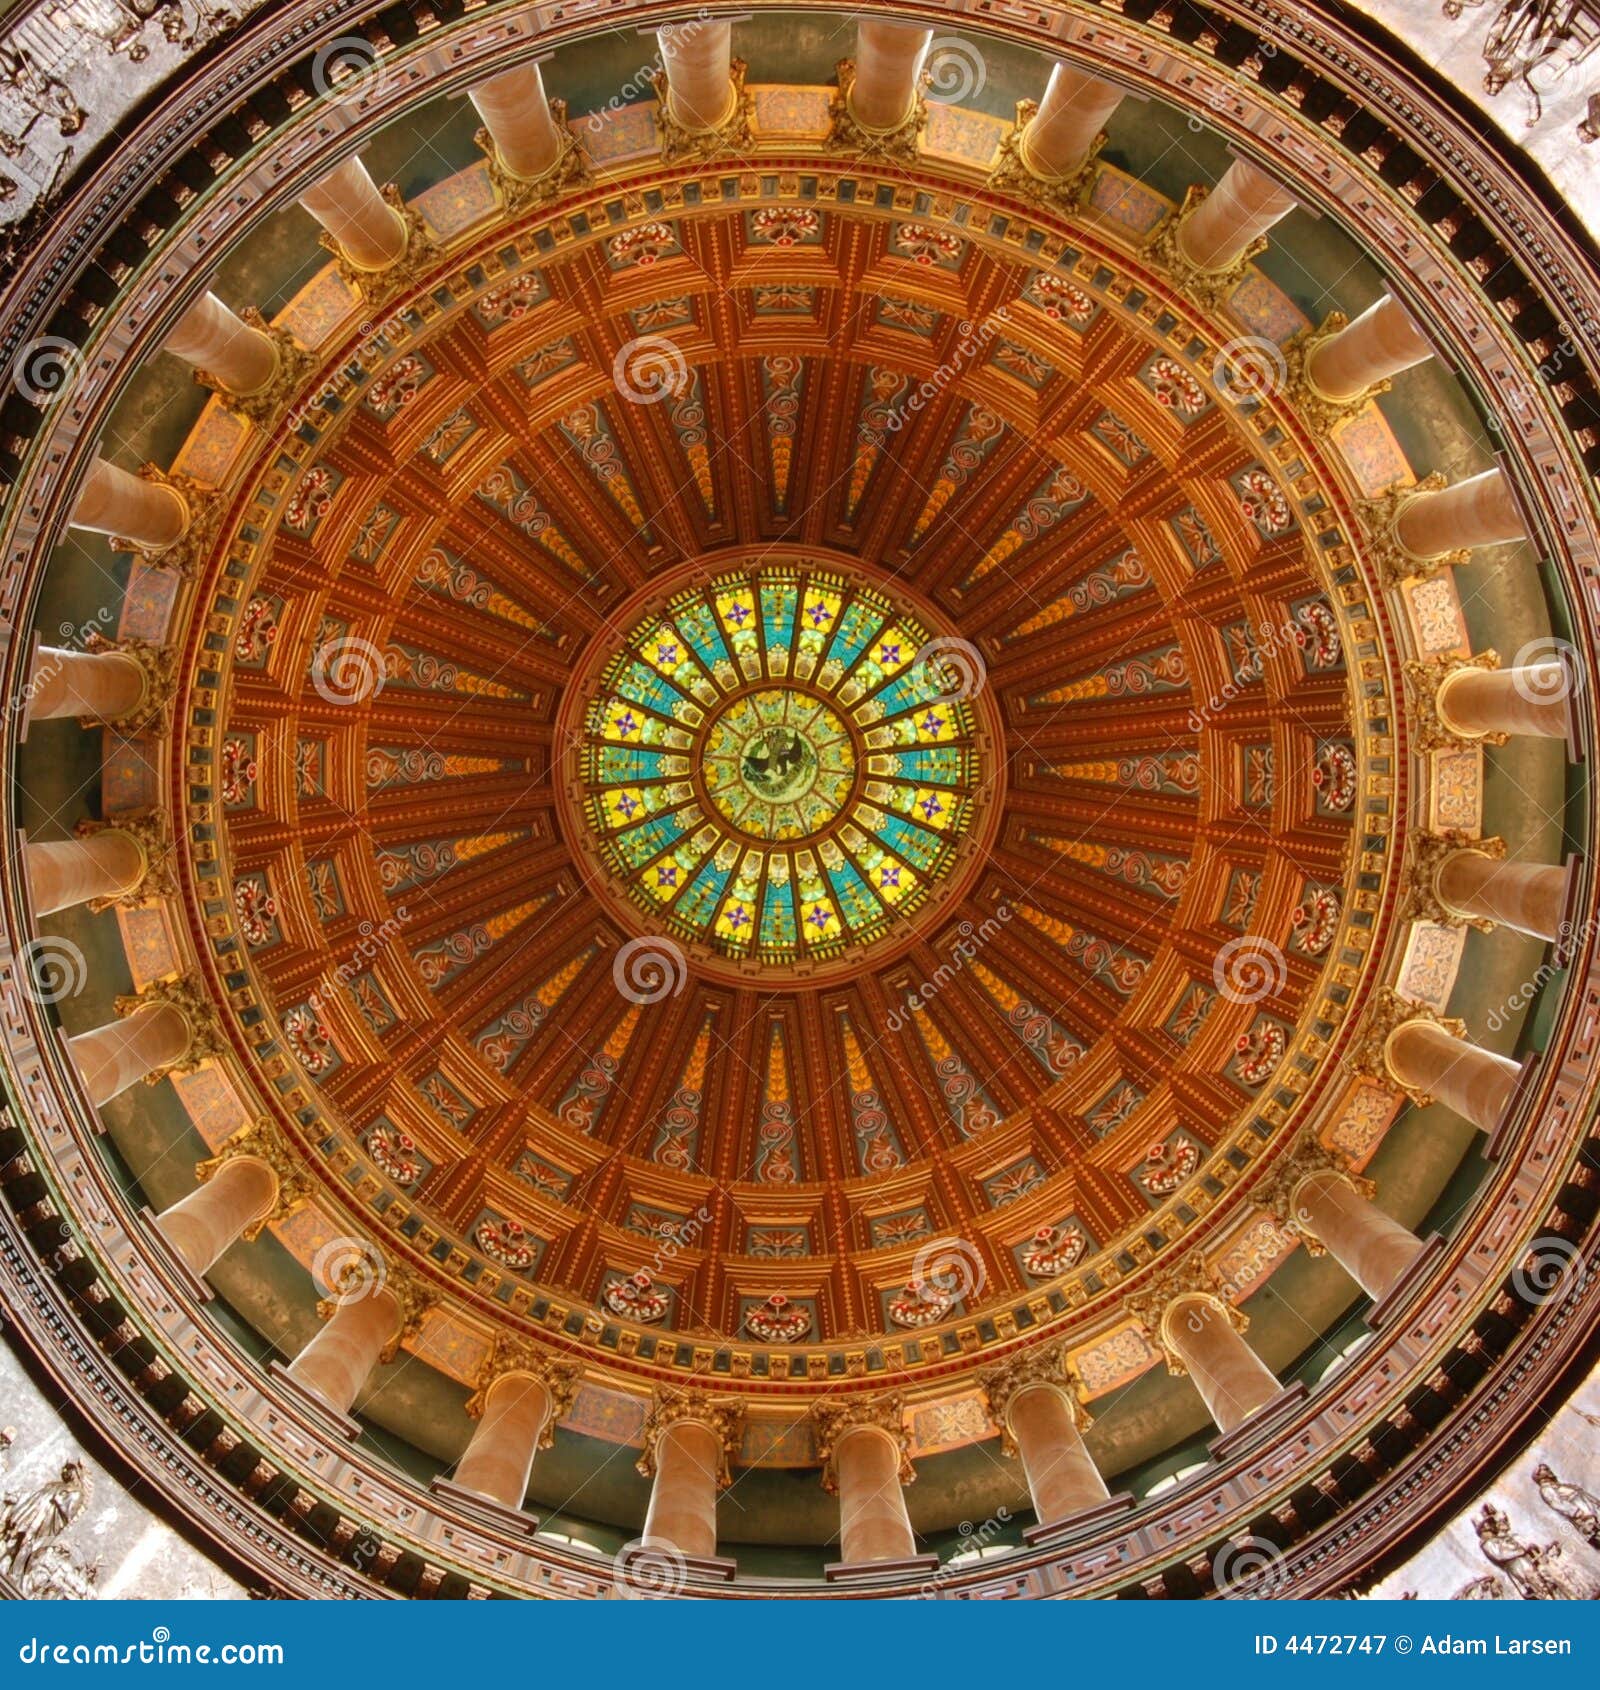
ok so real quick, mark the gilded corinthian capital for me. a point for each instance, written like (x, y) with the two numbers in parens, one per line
(1045, 1365)
(721, 1416)
(834, 1421)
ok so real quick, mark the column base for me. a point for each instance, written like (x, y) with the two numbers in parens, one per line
(1084, 1520)
(1571, 920)
(1399, 1294)
(179, 1268)
(323, 1414)
(719, 1569)
(484, 1510)
(1271, 1414)
(852, 1572)
(1499, 1138)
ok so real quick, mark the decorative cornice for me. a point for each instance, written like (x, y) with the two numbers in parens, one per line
(188, 552)
(376, 287)
(520, 194)
(1429, 852)
(848, 134)
(1317, 410)
(832, 1421)
(1394, 563)
(1045, 1365)
(1424, 677)
(1207, 288)
(292, 368)
(158, 665)
(721, 1416)
(264, 1142)
(1368, 1053)
(184, 994)
(1278, 1193)
(735, 133)
(149, 831)
(509, 1355)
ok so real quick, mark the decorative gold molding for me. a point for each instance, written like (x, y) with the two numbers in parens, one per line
(1396, 565)
(266, 407)
(1428, 854)
(376, 287)
(1368, 1054)
(509, 1355)
(521, 194)
(848, 134)
(833, 1420)
(735, 133)
(264, 1142)
(186, 554)
(1012, 174)
(1207, 288)
(1279, 1191)
(1316, 409)
(149, 831)
(184, 994)
(1045, 1365)
(722, 1416)
(1424, 677)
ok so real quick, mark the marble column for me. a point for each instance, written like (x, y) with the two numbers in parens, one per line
(1381, 342)
(1481, 511)
(517, 114)
(1433, 1062)
(1531, 700)
(199, 1227)
(1527, 896)
(499, 1460)
(1198, 1330)
(67, 872)
(1074, 110)
(368, 231)
(1372, 1247)
(866, 1464)
(1237, 212)
(888, 69)
(213, 338)
(698, 59)
(360, 1330)
(688, 1438)
(121, 1053)
(1035, 1403)
(102, 686)
(147, 514)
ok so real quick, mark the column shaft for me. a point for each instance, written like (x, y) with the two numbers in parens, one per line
(888, 63)
(873, 1522)
(517, 113)
(1529, 700)
(336, 1363)
(1526, 896)
(1074, 110)
(1242, 206)
(499, 1460)
(1481, 511)
(1474, 1082)
(1381, 342)
(1231, 1378)
(215, 339)
(113, 1057)
(683, 1496)
(1372, 1247)
(369, 231)
(203, 1224)
(66, 872)
(698, 59)
(1062, 1479)
(147, 513)
(102, 685)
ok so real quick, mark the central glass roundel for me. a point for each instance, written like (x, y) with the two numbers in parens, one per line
(780, 764)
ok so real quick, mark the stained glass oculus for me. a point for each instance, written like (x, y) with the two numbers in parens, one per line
(780, 764)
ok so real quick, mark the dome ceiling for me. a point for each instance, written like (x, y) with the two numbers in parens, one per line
(616, 831)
